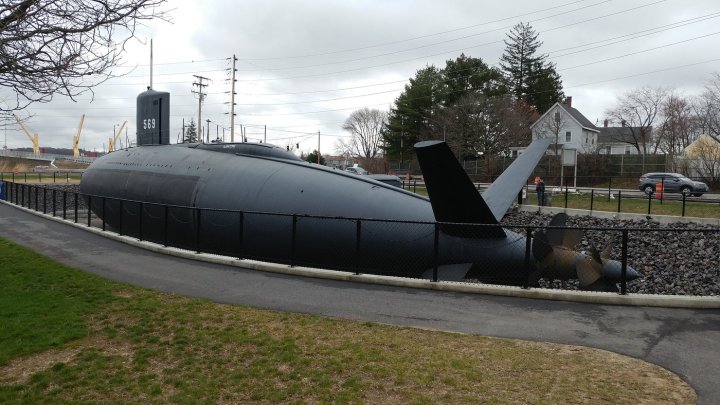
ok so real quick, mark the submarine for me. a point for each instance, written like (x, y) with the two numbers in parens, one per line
(259, 201)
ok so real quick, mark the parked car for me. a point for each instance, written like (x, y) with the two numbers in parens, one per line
(673, 183)
(357, 170)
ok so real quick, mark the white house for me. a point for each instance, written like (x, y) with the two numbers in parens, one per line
(573, 130)
(619, 140)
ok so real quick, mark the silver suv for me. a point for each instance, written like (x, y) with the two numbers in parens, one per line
(673, 183)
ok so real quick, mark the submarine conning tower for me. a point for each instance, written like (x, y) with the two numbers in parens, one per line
(153, 118)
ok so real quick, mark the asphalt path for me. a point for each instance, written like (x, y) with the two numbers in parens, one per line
(684, 341)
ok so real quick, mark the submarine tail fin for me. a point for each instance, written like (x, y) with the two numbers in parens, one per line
(504, 190)
(452, 194)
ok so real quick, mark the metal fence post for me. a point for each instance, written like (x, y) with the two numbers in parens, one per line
(120, 223)
(623, 268)
(566, 195)
(358, 235)
(609, 188)
(197, 230)
(54, 201)
(165, 227)
(140, 222)
(528, 269)
(293, 240)
(649, 202)
(76, 208)
(592, 195)
(683, 205)
(64, 204)
(44, 200)
(241, 234)
(436, 253)
(67, 177)
(89, 208)
(37, 206)
(619, 198)
(54, 176)
(662, 181)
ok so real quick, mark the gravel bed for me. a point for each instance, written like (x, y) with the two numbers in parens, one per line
(682, 261)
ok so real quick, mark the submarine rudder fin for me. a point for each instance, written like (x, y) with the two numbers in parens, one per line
(501, 194)
(452, 194)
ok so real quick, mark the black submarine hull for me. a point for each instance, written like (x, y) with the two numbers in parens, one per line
(250, 199)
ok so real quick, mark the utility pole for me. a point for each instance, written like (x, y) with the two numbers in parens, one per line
(402, 128)
(264, 136)
(201, 96)
(208, 130)
(318, 147)
(232, 100)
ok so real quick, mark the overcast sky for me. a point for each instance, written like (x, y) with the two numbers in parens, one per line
(304, 66)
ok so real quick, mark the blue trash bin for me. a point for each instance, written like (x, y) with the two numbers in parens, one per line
(2, 190)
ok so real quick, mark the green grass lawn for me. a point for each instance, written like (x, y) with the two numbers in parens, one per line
(67, 337)
(600, 202)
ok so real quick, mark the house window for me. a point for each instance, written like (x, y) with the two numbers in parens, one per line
(627, 149)
(608, 150)
(568, 136)
(593, 140)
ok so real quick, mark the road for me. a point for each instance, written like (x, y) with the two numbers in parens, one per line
(684, 341)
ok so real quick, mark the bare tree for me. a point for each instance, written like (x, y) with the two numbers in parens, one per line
(365, 127)
(675, 132)
(638, 110)
(66, 47)
(705, 160)
(707, 108)
(482, 125)
(553, 125)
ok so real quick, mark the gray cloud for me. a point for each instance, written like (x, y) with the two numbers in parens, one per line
(304, 66)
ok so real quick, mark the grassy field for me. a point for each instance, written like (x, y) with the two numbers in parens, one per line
(629, 205)
(600, 202)
(71, 337)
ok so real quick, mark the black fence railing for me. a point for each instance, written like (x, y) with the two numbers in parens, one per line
(57, 176)
(410, 249)
(654, 202)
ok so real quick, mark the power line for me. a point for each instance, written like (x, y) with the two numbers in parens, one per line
(414, 38)
(426, 45)
(444, 52)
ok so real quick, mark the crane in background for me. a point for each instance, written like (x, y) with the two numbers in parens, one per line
(111, 141)
(76, 138)
(33, 138)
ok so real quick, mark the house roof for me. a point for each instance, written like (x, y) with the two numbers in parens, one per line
(618, 134)
(574, 113)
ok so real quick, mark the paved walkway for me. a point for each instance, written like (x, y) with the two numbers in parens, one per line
(684, 341)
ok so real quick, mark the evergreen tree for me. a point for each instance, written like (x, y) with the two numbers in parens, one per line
(545, 87)
(190, 133)
(418, 110)
(528, 75)
(312, 157)
(408, 120)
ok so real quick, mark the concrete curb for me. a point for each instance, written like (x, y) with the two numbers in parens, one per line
(667, 301)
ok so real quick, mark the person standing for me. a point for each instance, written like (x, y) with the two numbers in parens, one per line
(540, 190)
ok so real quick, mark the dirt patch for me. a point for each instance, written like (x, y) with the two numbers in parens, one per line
(19, 370)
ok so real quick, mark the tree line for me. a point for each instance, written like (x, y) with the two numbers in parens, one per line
(477, 108)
